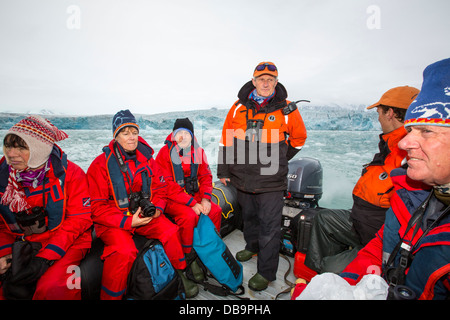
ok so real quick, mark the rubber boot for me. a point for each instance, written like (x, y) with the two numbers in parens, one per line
(197, 272)
(190, 287)
(244, 255)
(258, 283)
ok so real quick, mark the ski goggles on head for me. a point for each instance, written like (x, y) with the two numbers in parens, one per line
(265, 68)
(269, 67)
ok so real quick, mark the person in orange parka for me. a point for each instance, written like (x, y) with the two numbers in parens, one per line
(185, 167)
(44, 202)
(127, 166)
(261, 133)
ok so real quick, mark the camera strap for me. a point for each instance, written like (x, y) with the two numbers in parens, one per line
(43, 194)
(122, 165)
(146, 183)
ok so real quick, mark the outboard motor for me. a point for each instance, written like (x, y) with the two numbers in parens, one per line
(304, 192)
(304, 183)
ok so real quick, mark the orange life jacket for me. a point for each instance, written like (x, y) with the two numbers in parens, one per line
(375, 185)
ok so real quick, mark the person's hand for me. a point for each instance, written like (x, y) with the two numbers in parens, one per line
(206, 204)
(198, 208)
(224, 180)
(5, 263)
(139, 221)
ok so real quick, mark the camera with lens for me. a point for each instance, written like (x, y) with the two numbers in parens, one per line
(397, 290)
(33, 220)
(401, 292)
(191, 185)
(141, 199)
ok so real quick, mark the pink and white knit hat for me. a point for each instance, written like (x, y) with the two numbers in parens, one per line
(40, 135)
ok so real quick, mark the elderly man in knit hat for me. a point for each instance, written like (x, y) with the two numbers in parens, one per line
(413, 247)
(45, 201)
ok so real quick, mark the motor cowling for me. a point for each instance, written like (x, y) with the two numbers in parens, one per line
(305, 178)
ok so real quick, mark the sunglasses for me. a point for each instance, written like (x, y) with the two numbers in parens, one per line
(270, 67)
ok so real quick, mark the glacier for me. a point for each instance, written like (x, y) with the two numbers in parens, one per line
(355, 118)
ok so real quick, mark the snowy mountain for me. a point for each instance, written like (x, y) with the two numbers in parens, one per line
(315, 118)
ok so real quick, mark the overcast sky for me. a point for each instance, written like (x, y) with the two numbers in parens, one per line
(100, 56)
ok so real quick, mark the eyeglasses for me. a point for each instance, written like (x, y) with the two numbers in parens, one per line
(270, 67)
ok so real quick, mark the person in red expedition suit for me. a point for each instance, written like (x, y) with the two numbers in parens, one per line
(126, 167)
(185, 165)
(44, 205)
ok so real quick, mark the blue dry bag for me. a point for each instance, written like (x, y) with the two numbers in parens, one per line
(216, 257)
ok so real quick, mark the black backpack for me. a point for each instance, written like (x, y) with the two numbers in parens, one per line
(152, 276)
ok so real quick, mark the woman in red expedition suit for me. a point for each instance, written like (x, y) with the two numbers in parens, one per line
(127, 167)
(45, 202)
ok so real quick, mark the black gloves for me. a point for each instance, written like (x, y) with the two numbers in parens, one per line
(291, 152)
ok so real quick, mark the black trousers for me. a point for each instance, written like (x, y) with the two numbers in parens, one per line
(261, 215)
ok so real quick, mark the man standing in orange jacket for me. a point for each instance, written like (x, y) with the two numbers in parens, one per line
(337, 235)
(261, 133)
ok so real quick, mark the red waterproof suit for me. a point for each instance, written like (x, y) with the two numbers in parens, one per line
(68, 237)
(109, 188)
(194, 164)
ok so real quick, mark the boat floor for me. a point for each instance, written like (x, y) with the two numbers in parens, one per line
(235, 242)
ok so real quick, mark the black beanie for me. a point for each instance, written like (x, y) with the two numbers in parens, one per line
(184, 123)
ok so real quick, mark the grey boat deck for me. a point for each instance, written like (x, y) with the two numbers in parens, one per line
(235, 242)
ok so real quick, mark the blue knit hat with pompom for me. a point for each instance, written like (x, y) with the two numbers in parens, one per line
(432, 105)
